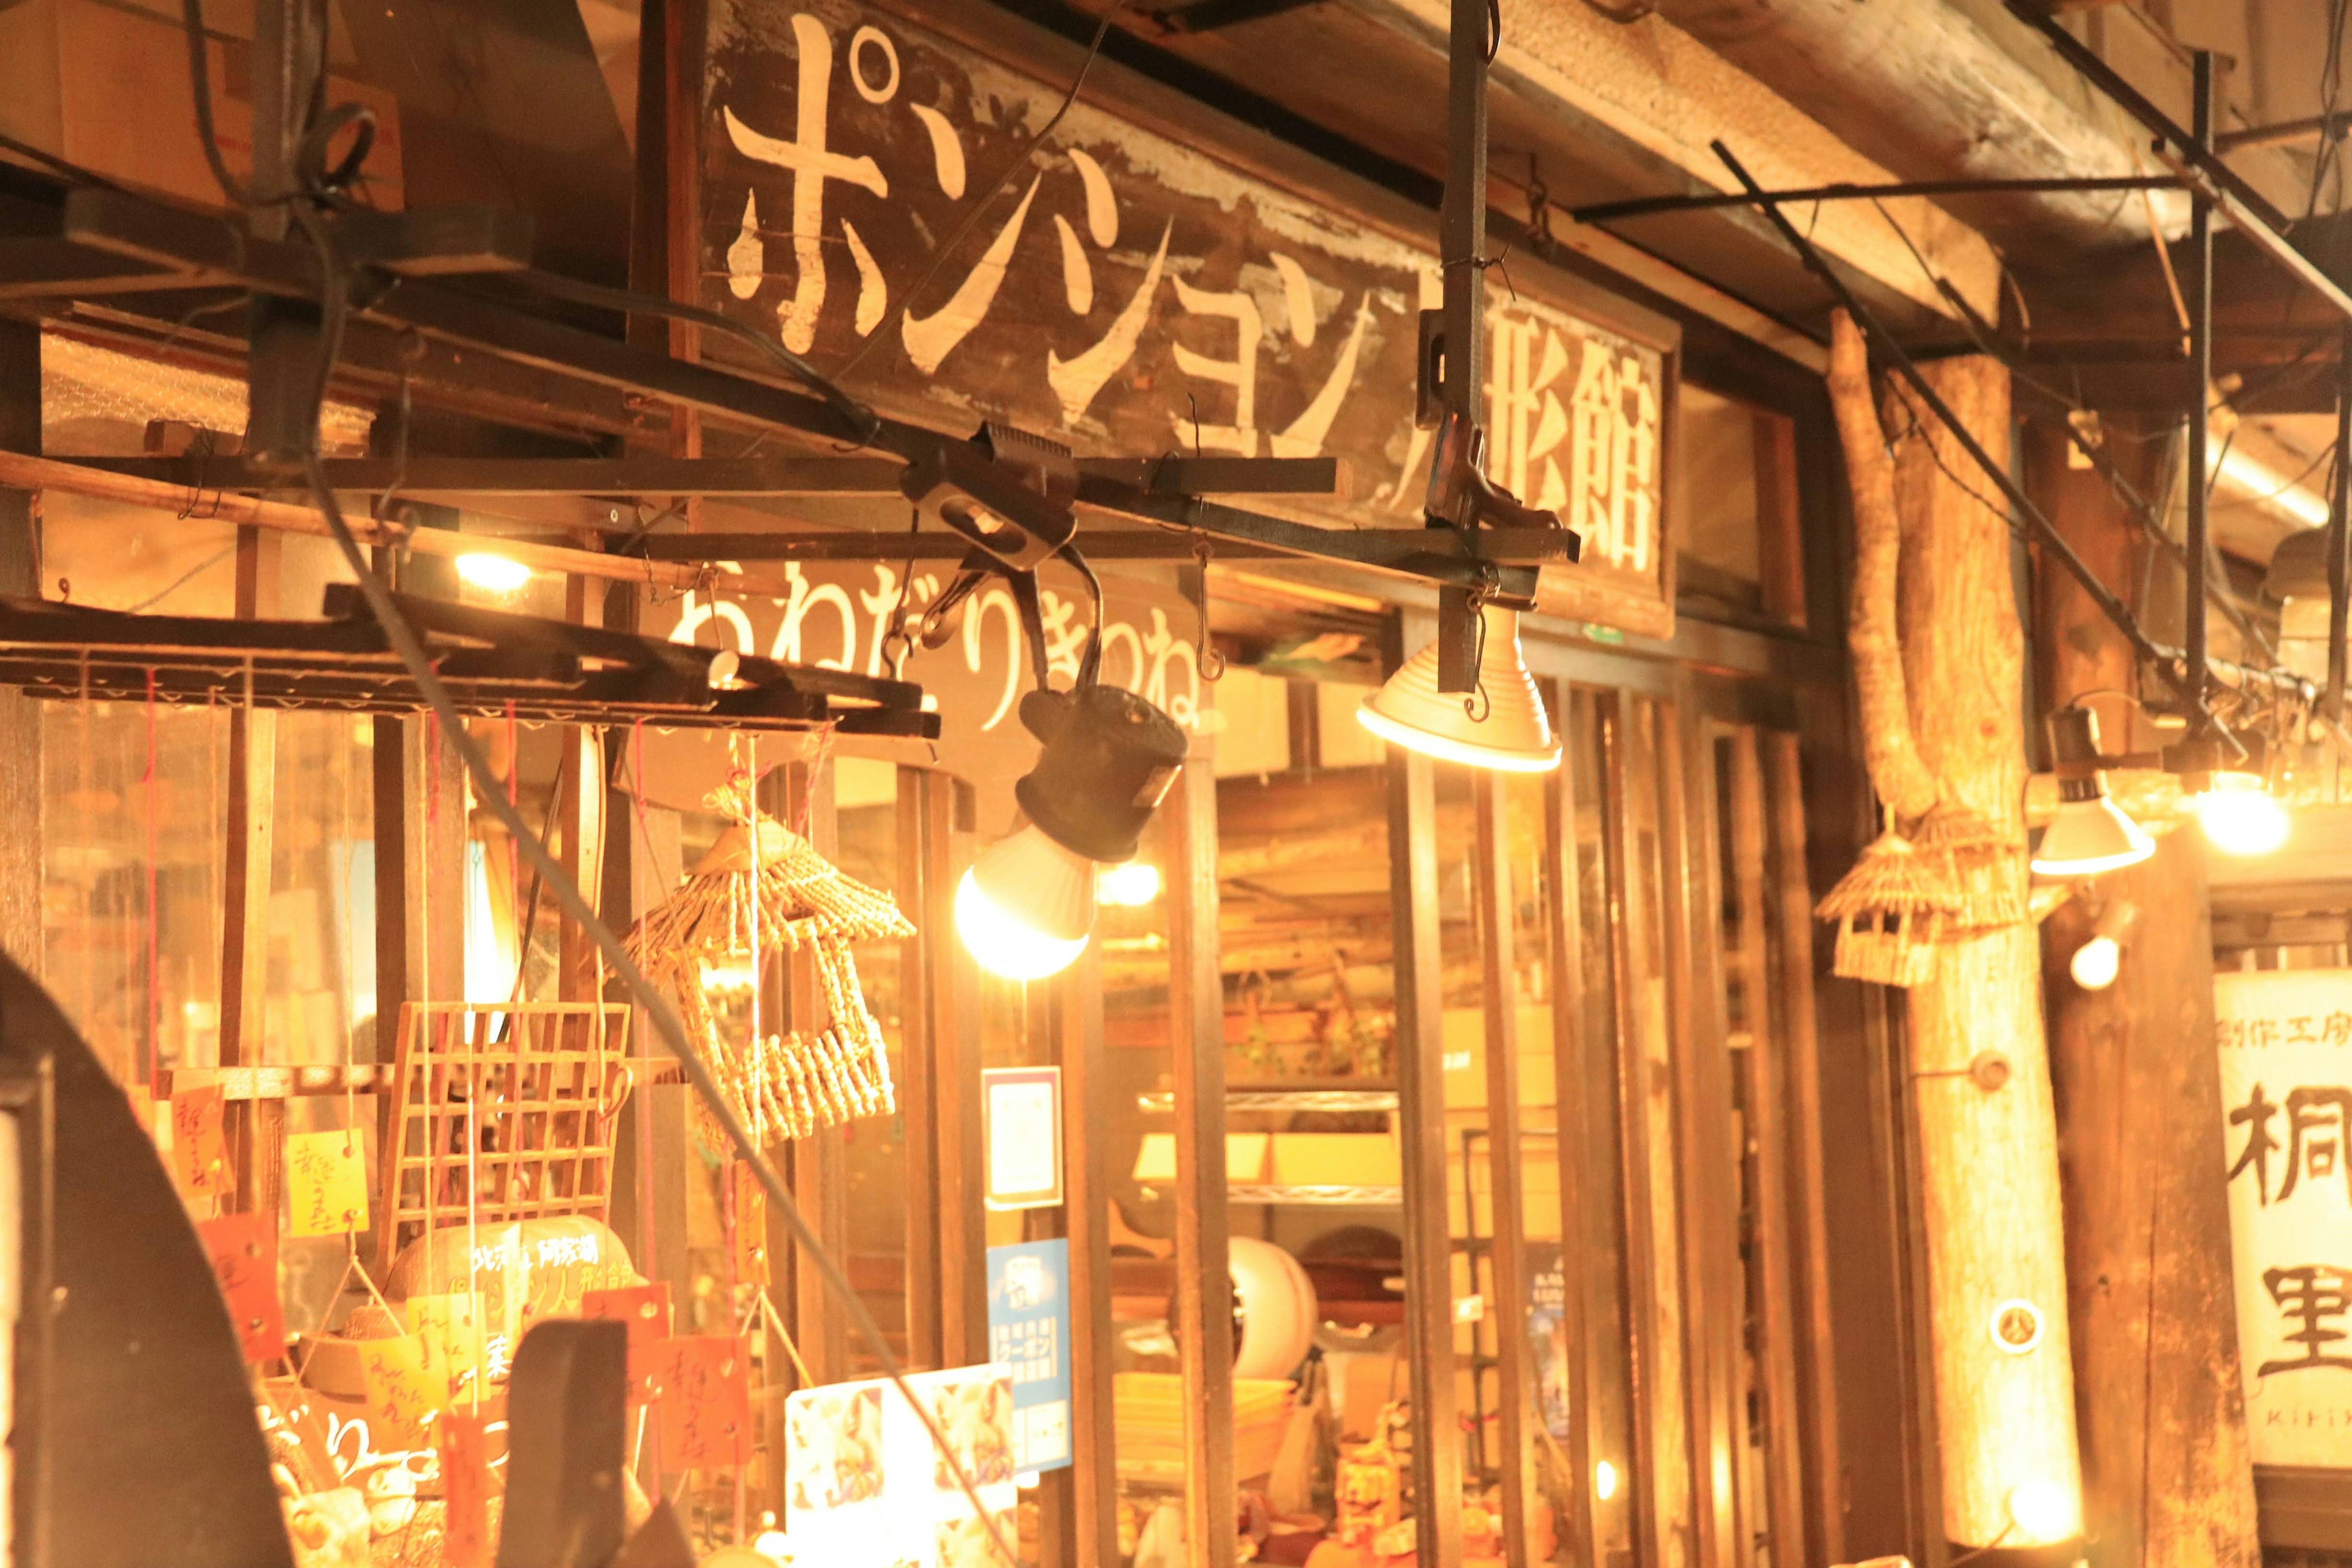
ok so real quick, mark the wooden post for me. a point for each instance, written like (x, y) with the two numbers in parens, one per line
(1420, 1090)
(20, 716)
(2168, 1474)
(256, 1129)
(1989, 1157)
(1507, 1260)
(1076, 1028)
(1575, 1075)
(1204, 1286)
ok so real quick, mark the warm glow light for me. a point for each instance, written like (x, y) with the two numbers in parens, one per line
(726, 977)
(2096, 963)
(1604, 1480)
(2266, 485)
(1448, 750)
(2239, 816)
(1004, 945)
(2043, 1513)
(491, 574)
(1129, 887)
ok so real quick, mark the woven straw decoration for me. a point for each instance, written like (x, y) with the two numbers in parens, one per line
(784, 1086)
(1985, 870)
(1890, 909)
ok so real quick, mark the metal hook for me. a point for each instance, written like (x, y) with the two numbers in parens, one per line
(1210, 663)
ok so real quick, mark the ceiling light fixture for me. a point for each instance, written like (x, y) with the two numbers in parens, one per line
(1501, 725)
(1026, 906)
(2090, 833)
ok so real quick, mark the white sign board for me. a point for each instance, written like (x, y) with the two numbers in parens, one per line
(2284, 1040)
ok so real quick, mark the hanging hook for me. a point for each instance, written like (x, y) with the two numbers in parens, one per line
(1210, 663)
(1478, 705)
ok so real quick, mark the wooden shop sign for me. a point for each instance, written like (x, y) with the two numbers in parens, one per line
(1129, 295)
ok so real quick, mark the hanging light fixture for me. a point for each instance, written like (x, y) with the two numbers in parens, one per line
(2099, 960)
(2090, 833)
(1027, 905)
(1501, 725)
(2231, 797)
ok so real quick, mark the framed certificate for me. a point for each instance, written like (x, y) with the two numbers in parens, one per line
(1023, 1112)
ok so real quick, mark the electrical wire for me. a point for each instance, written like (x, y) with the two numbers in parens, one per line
(961, 231)
(66, 166)
(309, 209)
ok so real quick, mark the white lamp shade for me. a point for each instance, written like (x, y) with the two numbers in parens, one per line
(1026, 906)
(2088, 837)
(1511, 734)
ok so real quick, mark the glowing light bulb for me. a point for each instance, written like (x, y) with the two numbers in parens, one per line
(1604, 1480)
(1005, 945)
(2043, 1513)
(1130, 886)
(2096, 962)
(2240, 817)
(491, 574)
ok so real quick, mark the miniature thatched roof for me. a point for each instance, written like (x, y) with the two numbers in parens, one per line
(1889, 877)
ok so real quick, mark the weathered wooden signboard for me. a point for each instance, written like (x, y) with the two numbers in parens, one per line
(2285, 1050)
(1129, 295)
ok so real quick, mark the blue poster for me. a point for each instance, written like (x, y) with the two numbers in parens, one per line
(1029, 1332)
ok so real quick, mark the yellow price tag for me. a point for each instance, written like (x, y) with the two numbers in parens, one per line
(326, 1183)
(450, 1328)
(405, 1397)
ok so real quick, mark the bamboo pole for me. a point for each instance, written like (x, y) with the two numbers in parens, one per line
(23, 471)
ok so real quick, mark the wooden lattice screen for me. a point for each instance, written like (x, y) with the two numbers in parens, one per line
(540, 1084)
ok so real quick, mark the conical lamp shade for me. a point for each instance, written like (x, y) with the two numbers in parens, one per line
(1026, 906)
(1512, 733)
(2088, 837)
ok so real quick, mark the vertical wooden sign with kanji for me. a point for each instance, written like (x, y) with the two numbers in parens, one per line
(466, 1487)
(326, 1183)
(199, 1149)
(2285, 1041)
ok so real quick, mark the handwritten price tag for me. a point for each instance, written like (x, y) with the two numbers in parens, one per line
(405, 1397)
(706, 1401)
(449, 1327)
(199, 1152)
(751, 1228)
(466, 1484)
(644, 1308)
(326, 1183)
(244, 1250)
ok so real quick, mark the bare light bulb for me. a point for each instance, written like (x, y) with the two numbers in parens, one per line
(1026, 906)
(1129, 885)
(2096, 962)
(2239, 816)
(2043, 1513)
(1604, 1480)
(492, 574)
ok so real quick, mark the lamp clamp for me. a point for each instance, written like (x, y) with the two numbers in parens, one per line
(1010, 492)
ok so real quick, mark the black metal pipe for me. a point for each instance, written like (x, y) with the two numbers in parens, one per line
(2339, 534)
(2200, 361)
(1883, 343)
(1645, 206)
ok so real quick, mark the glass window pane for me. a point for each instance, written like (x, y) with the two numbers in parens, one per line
(1738, 555)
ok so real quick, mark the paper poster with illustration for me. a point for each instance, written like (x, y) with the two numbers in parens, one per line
(866, 1487)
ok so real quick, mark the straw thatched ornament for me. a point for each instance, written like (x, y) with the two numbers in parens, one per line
(784, 1086)
(1986, 869)
(1890, 909)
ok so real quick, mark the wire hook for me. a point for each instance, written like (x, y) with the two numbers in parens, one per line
(1209, 662)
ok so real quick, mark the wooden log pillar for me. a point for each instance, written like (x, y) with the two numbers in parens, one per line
(1989, 1157)
(2167, 1469)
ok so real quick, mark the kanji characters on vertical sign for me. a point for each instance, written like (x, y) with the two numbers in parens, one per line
(326, 1183)
(244, 1252)
(405, 1396)
(2286, 1083)
(750, 1227)
(465, 1487)
(706, 1401)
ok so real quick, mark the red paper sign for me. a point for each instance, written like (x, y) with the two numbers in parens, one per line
(466, 1484)
(244, 1250)
(706, 1401)
(644, 1308)
(199, 1153)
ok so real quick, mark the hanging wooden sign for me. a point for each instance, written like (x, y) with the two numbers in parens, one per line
(326, 1183)
(199, 1150)
(644, 1310)
(706, 1401)
(1129, 295)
